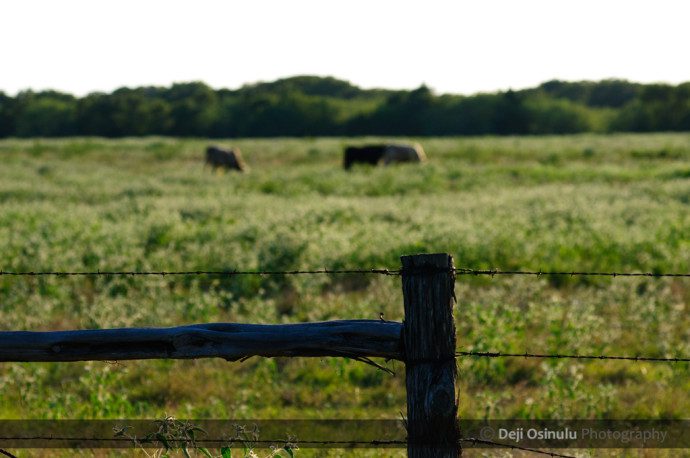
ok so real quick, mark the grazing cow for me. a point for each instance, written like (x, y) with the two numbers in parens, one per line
(369, 154)
(229, 159)
(403, 153)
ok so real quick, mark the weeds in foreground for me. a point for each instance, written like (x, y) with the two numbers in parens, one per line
(173, 437)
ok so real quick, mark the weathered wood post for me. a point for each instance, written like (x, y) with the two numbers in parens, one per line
(428, 282)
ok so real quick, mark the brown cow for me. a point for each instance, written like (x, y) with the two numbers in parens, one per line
(403, 153)
(229, 159)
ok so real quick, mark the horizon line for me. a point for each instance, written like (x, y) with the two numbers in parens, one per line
(361, 87)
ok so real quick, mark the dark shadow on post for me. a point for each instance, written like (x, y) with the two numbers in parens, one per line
(428, 282)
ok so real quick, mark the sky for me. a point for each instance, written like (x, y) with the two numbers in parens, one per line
(82, 46)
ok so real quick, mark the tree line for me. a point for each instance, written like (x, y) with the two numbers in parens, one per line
(318, 106)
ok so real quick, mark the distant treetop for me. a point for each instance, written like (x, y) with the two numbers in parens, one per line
(326, 106)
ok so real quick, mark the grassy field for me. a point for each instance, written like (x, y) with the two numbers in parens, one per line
(574, 203)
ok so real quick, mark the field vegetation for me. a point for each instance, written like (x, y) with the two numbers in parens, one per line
(585, 202)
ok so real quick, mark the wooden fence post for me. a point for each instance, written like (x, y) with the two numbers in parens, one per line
(428, 282)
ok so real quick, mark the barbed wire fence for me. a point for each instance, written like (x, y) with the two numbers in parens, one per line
(172, 442)
(391, 272)
(489, 354)
(397, 272)
(335, 444)
(388, 272)
(373, 271)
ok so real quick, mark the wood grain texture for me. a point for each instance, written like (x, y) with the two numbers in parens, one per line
(230, 341)
(429, 345)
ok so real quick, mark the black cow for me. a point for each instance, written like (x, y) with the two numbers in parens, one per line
(369, 154)
(230, 159)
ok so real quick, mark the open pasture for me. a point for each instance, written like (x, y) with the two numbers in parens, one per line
(602, 203)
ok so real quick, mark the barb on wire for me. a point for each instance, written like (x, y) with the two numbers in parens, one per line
(538, 273)
(514, 447)
(200, 272)
(497, 354)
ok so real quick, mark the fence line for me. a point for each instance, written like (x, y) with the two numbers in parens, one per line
(49, 355)
(228, 273)
(492, 354)
(538, 273)
(264, 442)
(268, 442)
(360, 271)
(425, 341)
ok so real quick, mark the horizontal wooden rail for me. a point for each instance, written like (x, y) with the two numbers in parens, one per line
(230, 341)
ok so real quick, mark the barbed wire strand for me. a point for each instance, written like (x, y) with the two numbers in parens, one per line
(202, 272)
(6, 453)
(174, 440)
(492, 354)
(514, 447)
(494, 272)
(207, 441)
(376, 271)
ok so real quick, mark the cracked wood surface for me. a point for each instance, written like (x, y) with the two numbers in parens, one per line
(230, 341)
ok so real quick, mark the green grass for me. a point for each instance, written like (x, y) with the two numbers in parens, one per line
(582, 202)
